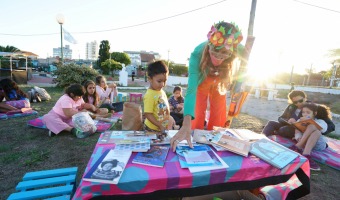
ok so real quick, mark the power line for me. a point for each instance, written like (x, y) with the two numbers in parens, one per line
(124, 27)
(317, 6)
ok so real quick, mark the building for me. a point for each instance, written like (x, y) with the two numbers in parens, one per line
(66, 51)
(140, 58)
(91, 51)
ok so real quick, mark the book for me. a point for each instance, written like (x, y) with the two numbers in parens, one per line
(109, 167)
(273, 153)
(211, 167)
(155, 156)
(135, 147)
(161, 140)
(232, 144)
(110, 137)
(302, 125)
(200, 155)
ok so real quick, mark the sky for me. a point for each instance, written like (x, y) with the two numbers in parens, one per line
(288, 33)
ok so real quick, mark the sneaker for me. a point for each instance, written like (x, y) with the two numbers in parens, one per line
(313, 165)
(51, 134)
(79, 134)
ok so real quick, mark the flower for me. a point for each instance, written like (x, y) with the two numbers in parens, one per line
(217, 39)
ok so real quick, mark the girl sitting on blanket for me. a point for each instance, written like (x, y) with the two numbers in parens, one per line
(104, 92)
(91, 98)
(312, 138)
(60, 117)
(14, 96)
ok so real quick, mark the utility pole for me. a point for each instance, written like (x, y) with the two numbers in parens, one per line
(291, 75)
(309, 74)
(247, 49)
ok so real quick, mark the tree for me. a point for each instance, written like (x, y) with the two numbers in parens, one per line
(8, 49)
(110, 65)
(121, 57)
(104, 52)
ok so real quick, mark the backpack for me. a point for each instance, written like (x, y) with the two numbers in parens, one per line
(44, 96)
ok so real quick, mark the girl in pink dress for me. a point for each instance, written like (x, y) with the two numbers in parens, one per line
(60, 117)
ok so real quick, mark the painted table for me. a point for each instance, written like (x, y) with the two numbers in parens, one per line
(146, 182)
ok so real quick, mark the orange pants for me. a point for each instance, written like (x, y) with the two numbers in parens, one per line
(218, 107)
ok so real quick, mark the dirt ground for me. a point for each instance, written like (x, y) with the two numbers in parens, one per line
(24, 149)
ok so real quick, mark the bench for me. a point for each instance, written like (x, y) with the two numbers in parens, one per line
(57, 184)
(271, 93)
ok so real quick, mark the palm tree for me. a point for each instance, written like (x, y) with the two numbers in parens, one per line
(8, 49)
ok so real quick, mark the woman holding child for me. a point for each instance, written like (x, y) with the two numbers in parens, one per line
(210, 68)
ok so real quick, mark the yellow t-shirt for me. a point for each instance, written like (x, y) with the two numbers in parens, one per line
(156, 102)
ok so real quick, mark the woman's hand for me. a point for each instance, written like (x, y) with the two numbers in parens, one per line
(183, 134)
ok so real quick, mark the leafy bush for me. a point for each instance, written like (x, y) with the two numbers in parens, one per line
(179, 70)
(72, 73)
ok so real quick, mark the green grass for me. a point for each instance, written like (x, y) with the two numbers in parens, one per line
(335, 107)
(36, 155)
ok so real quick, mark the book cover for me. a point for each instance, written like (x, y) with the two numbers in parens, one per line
(109, 167)
(200, 155)
(161, 140)
(232, 144)
(135, 147)
(273, 153)
(215, 166)
(155, 156)
(110, 137)
(302, 125)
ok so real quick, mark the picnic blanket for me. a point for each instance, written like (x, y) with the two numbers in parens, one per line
(4, 116)
(329, 156)
(101, 125)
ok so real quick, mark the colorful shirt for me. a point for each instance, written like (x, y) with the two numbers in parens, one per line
(156, 102)
(66, 101)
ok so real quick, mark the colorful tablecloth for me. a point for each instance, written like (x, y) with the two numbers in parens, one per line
(173, 181)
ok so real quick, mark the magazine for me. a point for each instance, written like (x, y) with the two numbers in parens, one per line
(166, 140)
(302, 125)
(212, 167)
(155, 156)
(110, 137)
(200, 155)
(109, 167)
(232, 144)
(273, 153)
(135, 147)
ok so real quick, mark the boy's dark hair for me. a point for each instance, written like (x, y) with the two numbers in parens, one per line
(75, 89)
(158, 67)
(296, 93)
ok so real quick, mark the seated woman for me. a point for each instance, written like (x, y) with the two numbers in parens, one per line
(14, 96)
(176, 103)
(105, 91)
(292, 113)
(60, 117)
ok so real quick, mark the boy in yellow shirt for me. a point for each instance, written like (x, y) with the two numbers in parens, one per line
(156, 106)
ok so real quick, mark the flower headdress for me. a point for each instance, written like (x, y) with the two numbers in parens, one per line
(228, 37)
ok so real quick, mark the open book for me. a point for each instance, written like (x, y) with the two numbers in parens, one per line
(302, 125)
(232, 144)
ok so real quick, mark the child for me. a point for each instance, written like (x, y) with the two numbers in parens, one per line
(91, 99)
(104, 92)
(312, 138)
(10, 91)
(60, 117)
(176, 102)
(156, 107)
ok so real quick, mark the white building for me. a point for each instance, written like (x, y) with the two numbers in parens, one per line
(66, 51)
(140, 58)
(91, 51)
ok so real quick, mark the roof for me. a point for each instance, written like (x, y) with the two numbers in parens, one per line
(19, 53)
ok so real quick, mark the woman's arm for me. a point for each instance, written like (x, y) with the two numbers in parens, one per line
(286, 115)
